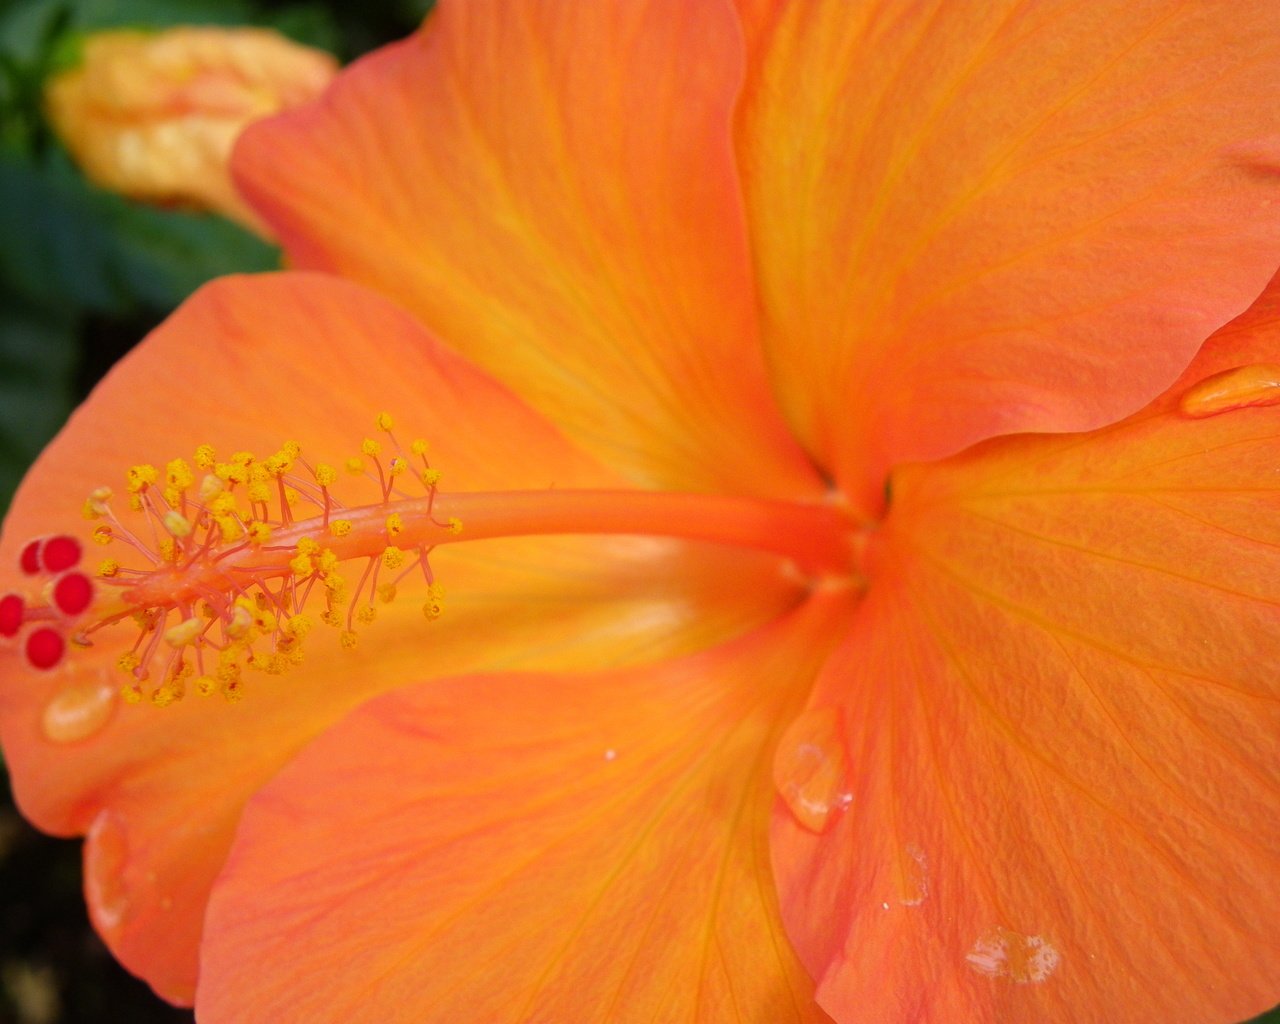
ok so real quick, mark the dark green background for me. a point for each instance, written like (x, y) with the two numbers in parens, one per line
(83, 276)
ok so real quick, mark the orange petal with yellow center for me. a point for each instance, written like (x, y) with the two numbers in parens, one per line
(154, 115)
(527, 847)
(247, 364)
(552, 190)
(982, 218)
(1060, 713)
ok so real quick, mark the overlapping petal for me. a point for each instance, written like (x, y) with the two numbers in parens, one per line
(1061, 714)
(527, 847)
(247, 364)
(978, 218)
(550, 187)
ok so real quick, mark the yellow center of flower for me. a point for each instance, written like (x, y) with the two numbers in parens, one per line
(236, 562)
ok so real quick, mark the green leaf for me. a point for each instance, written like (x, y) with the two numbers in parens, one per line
(37, 362)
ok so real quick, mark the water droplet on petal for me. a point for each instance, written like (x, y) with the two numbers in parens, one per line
(809, 768)
(106, 852)
(1233, 389)
(914, 882)
(1024, 959)
(79, 711)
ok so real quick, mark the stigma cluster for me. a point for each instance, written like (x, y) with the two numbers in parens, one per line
(227, 566)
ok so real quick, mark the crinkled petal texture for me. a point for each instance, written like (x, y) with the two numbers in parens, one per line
(971, 219)
(551, 187)
(527, 848)
(247, 364)
(1060, 713)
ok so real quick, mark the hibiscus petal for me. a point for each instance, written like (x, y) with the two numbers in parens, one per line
(551, 188)
(1061, 708)
(975, 219)
(247, 364)
(557, 848)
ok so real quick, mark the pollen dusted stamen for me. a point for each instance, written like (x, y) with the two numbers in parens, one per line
(241, 549)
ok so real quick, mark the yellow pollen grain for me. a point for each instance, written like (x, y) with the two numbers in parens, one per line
(302, 565)
(108, 567)
(167, 549)
(128, 662)
(340, 527)
(455, 525)
(308, 546)
(259, 533)
(384, 421)
(291, 449)
(431, 477)
(326, 561)
(204, 457)
(366, 614)
(243, 458)
(135, 503)
(395, 525)
(432, 610)
(259, 492)
(131, 693)
(172, 496)
(370, 447)
(229, 528)
(393, 558)
(418, 446)
(279, 464)
(326, 475)
(206, 686)
(348, 639)
(396, 467)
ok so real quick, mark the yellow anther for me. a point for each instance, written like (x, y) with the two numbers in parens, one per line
(206, 686)
(259, 532)
(183, 633)
(325, 474)
(165, 695)
(279, 464)
(240, 622)
(455, 525)
(291, 450)
(229, 528)
(258, 473)
(102, 534)
(108, 567)
(140, 477)
(370, 447)
(259, 492)
(135, 503)
(131, 693)
(308, 546)
(354, 465)
(348, 639)
(302, 565)
(233, 690)
(340, 527)
(326, 561)
(271, 664)
(224, 504)
(232, 472)
(205, 456)
(397, 467)
(331, 618)
(384, 421)
(177, 524)
(266, 621)
(167, 549)
(392, 558)
(386, 593)
(210, 487)
(172, 496)
(243, 458)
(299, 626)
(178, 474)
(418, 446)
(128, 662)
(433, 609)
(395, 525)
(366, 613)
(431, 477)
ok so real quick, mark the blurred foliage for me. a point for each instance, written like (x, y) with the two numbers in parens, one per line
(84, 275)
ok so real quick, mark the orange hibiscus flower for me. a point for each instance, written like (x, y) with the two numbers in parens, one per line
(970, 713)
